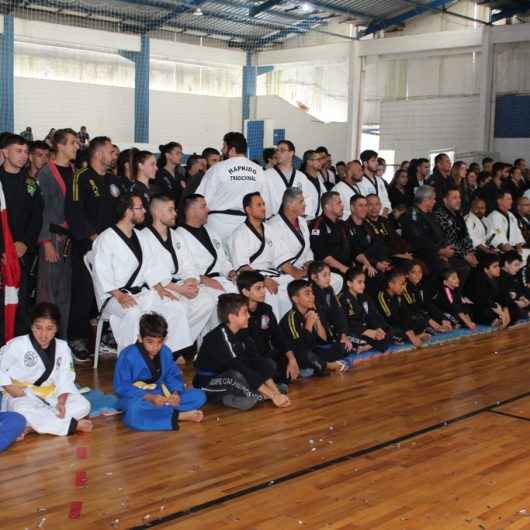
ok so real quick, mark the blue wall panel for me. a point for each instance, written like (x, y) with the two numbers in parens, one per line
(512, 117)
(255, 131)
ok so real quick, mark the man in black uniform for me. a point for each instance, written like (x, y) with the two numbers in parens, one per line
(90, 208)
(441, 179)
(329, 236)
(24, 213)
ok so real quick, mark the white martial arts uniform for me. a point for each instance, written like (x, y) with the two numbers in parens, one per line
(477, 229)
(329, 177)
(504, 229)
(24, 363)
(224, 185)
(212, 262)
(278, 182)
(249, 248)
(115, 264)
(171, 262)
(346, 192)
(377, 187)
(292, 246)
(313, 190)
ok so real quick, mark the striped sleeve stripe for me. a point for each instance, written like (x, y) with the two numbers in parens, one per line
(383, 304)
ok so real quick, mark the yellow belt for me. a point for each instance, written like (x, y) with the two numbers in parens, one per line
(152, 386)
(43, 391)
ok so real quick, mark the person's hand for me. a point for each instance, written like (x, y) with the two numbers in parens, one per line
(382, 266)
(165, 293)
(281, 400)
(15, 391)
(156, 399)
(271, 285)
(125, 300)
(370, 333)
(311, 318)
(50, 254)
(298, 274)
(446, 325)
(347, 343)
(174, 399)
(293, 370)
(213, 283)
(371, 271)
(471, 325)
(447, 252)
(188, 290)
(379, 334)
(471, 259)
(20, 248)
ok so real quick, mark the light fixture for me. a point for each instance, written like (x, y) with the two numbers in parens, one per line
(198, 12)
(306, 7)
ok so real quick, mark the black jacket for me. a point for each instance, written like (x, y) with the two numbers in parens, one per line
(330, 312)
(265, 331)
(361, 313)
(331, 239)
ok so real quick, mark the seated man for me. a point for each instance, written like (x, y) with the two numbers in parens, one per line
(264, 329)
(394, 308)
(490, 303)
(149, 385)
(251, 248)
(329, 235)
(366, 326)
(229, 367)
(454, 227)
(291, 244)
(477, 227)
(119, 273)
(523, 217)
(397, 249)
(310, 337)
(170, 269)
(503, 228)
(38, 378)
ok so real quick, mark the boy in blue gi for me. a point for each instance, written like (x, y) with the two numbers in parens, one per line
(149, 384)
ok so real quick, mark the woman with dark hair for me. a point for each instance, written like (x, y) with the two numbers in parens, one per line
(169, 178)
(399, 191)
(143, 176)
(124, 169)
(38, 377)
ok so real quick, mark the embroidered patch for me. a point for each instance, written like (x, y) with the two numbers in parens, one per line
(216, 244)
(58, 362)
(94, 187)
(315, 232)
(265, 322)
(269, 242)
(30, 359)
(178, 245)
(365, 306)
(114, 191)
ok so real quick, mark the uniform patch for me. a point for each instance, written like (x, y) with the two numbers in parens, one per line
(178, 245)
(315, 232)
(365, 306)
(114, 191)
(265, 322)
(216, 244)
(269, 242)
(94, 187)
(58, 362)
(30, 359)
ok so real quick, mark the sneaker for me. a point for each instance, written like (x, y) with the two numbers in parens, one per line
(80, 351)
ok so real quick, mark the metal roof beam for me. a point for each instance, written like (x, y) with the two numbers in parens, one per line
(173, 13)
(325, 6)
(508, 12)
(256, 10)
(445, 11)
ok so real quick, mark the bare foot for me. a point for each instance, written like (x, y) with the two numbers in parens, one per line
(281, 401)
(84, 426)
(338, 366)
(193, 415)
(27, 430)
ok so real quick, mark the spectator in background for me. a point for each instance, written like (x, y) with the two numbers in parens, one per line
(83, 137)
(49, 137)
(494, 186)
(521, 164)
(310, 167)
(349, 185)
(516, 184)
(195, 167)
(326, 170)
(399, 191)
(39, 154)
(418, 173)
(269, 157)
(523, 217)
(371, 182)
(381, 168)
(113, 170)
(124, 169)
(487, 169)
(212, 156)
(168, 177)
(404, 165)
(477, 227)
(341, 169)
(27, 134)
(441, 179)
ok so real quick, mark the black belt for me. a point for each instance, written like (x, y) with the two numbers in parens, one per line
(228, 212)
(212, 275)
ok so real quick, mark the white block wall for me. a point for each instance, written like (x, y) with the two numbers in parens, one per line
(414, 127)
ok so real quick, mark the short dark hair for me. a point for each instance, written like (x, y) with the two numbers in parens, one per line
(229, 304)
(316, 267)
(296, 286)
(518, 161)
(322, 149)
(394, 274)
(371, 196)
(413, 263)
(288, 143)
(160, 198)
(444, 275)
(327, 197)
(97, 143)
(209, 151)
(487, 160)
(38, 144)
(498, 167)
(501, 193)
(356, 197)
(153, 325)
(193, 159)
(46, 310)
(189, 201)
(439, 157)
(246, 279)
(449, 190)
(124, 203)
(352, 273)
(13, 139)
(60, 135)
(510, 257)
(340, 163)
(368, 154)
(237, 141)
(268, 153)
(247, 199)
(487, 261)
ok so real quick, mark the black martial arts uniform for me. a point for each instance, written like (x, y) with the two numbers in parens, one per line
(397, 314)
(420, 307)
(451, 303)
(330, 239)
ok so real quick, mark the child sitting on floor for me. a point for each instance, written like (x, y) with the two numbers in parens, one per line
(420, 308)
(450, 301)
(307, 331)
(149, 384)
(366, 326)
(396, 313)
(327, 304)
(264, 328)
(512, 283)
(229, 367)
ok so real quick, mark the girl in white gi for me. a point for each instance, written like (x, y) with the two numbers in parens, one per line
(37, 378)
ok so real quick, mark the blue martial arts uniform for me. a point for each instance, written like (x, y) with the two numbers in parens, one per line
(12, 425)
(136, 375)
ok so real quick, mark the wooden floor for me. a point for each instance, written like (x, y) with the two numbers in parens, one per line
(430, 439)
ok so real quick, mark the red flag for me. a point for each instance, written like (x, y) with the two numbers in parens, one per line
(10, 268)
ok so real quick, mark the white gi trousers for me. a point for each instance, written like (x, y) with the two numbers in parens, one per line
(224, 225)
